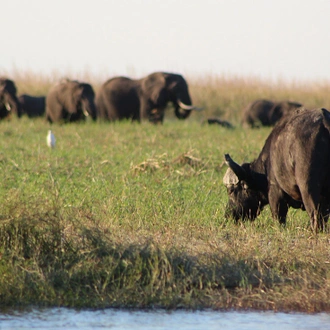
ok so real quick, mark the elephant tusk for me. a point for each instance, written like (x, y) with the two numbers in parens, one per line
(86, 114)
(188, 107)
(7, 106)
(199, 109)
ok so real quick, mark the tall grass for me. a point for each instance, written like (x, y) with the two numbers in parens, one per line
(129, 215)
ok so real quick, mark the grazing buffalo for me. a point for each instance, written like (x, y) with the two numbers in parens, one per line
(32, 106)
(70, 101)
(144, 99)
(292, 170)
(9, 103)
(267, 113)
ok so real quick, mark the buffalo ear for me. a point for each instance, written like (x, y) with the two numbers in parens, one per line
(237, 169)
(230, 178)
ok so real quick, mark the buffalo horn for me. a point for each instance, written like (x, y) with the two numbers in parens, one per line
(237, 169)
(188, 107)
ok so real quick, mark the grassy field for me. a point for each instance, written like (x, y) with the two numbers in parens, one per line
(129, 215)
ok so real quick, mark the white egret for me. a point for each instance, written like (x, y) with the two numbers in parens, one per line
(51, 139)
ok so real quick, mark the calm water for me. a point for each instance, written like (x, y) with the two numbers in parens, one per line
(62, 318)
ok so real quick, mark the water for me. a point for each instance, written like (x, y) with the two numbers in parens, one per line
(63, 318)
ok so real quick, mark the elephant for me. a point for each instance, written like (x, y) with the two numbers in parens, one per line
(70, 101)
(266, 113)
(33, 106)
(9, 103)
(144, 99)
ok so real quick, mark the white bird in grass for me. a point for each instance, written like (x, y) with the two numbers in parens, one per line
(51, 139)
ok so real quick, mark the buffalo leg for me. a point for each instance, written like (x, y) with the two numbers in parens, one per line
(310, 201)
(277, 203)
(322, 224)
(325, 212)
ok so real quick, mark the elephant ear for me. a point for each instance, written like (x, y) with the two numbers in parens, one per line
(173, 80)
(75, 91)
(153, 87)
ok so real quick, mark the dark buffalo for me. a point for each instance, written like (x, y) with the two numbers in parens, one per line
(267, 113)
(144, 99)
(70, 101)
(292, 170)
(9, 103)
(33, 106)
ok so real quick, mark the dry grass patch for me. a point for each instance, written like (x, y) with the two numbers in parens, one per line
(184, 164)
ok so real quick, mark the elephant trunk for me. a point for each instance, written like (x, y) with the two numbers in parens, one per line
(181, 114)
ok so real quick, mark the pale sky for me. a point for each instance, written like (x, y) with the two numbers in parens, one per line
(287, 39)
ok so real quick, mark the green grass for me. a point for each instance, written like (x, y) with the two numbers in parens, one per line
(129, 215)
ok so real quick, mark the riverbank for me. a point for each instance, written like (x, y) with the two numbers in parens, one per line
(47, 263)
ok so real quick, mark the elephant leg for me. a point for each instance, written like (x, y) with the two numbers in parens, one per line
(49, 119)
(54, 112)
(144, 110)
(110, 110)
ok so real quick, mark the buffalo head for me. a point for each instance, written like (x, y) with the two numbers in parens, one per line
(246, 189)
